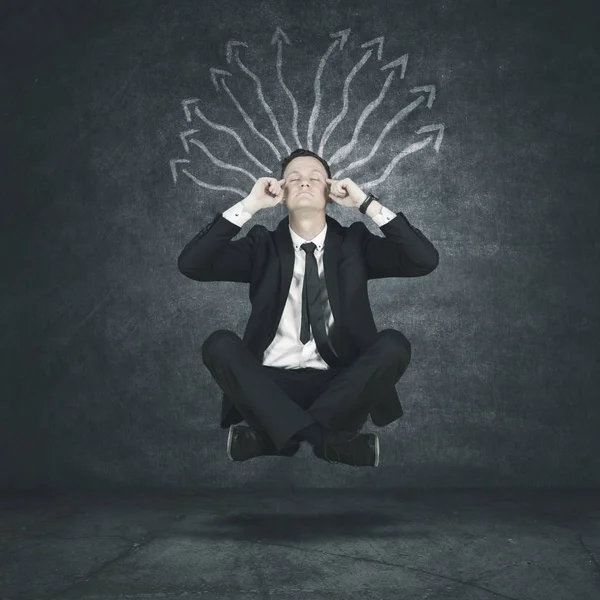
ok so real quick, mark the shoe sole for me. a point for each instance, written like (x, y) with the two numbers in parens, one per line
(230, 441)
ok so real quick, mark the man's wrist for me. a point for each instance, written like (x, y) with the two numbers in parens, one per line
(250, 205)
(374, 207)
(365, 196)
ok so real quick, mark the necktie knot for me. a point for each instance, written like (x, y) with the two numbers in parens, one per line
(309, 247)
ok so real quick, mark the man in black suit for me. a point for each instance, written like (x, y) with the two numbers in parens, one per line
(311, 365)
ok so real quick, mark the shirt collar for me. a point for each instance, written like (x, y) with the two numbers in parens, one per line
(318, 241)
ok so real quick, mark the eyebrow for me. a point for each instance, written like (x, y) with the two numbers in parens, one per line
(313, 171)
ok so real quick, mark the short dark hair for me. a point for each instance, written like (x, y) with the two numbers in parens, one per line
(303, 152)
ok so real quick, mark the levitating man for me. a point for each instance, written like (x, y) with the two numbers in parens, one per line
(311, 365)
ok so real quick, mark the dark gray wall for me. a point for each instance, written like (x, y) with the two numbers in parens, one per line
(102, 378)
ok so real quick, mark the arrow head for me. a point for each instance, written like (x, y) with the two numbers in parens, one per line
(429, 89)
(230, 46)
(279, 34)
(439, 128)
(213, 75)
(377, 40)
(186, 110)
(341, 34)
(173, 164)
(402, 61)
(184, 135)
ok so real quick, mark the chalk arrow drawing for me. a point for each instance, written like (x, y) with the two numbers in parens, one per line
(402, 62)
(214, 160)
(379, 41)
(440, 136)
(227, 130)
(280, 35)
(415, 147)
(337, 120)
(210, 186)
(186, 108)
(401, 114)
(189, 137)
(343, 152)
(314, 115)
(429, 89)
(174, 164)
(249, 121)
(230, 50)
(184, 135)
(278, 38)
(213, 75)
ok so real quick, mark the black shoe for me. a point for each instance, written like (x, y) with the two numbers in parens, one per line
(350, 448)
(244, 443)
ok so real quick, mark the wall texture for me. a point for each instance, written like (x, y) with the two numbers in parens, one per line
(102, 380)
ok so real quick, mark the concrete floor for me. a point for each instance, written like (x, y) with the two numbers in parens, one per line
(301, 544)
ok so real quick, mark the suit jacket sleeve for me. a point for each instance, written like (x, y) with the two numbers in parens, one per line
(403, 252)
(212, 256)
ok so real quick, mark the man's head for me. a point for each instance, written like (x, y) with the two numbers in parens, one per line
(305, 186)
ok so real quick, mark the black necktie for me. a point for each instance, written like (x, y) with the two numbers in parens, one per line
(312, 309)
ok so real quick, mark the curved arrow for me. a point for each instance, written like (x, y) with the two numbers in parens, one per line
(440, 136)
(314, 115)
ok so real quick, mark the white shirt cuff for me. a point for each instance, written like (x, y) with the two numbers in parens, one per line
(385, 216)
(237, 215)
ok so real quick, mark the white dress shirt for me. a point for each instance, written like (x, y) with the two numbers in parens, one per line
(286, 350)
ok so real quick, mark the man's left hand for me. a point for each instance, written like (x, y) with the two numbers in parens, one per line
(346, 193)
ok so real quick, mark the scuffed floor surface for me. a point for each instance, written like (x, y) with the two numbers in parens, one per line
(300, 544)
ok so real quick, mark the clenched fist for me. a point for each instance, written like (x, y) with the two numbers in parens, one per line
(267, 192)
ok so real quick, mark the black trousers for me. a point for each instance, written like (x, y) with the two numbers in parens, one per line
(278, 402)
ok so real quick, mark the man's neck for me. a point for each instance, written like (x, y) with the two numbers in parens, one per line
(308, 228)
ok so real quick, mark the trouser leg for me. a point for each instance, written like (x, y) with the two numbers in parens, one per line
(346, 396)
(244, 380)
(349, 397)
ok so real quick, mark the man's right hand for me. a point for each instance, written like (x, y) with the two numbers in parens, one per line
(266, 193)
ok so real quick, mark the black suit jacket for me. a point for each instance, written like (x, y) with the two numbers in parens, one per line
(352, 256)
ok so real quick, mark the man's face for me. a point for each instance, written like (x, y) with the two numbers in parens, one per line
(305, 185)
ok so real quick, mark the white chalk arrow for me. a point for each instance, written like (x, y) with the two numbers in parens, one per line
(402, 61)
(184, 135)
(430, 89)
(439, 128)
(173, 164)
(186, 110)
(213, 75)
(280, 35)
(230, 46)
(343, 34)
(377, 40)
